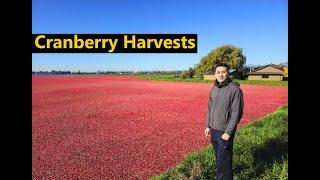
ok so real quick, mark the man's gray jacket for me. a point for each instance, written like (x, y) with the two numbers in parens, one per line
(225, 107)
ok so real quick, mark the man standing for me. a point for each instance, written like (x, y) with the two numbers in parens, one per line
(224, 113)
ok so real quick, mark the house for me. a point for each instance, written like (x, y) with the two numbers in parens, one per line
(209, 76)
(234, 74)
(267, 72)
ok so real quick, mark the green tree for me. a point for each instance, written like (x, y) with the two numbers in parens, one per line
(190, 72)
(228, 54)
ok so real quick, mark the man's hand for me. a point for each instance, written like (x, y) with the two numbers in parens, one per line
(206, 132)
(225, 136)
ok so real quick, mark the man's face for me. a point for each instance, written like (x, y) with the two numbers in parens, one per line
(221, 74)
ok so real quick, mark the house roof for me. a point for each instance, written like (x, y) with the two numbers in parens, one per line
(270, 73)
(209, 73)
(271, 65)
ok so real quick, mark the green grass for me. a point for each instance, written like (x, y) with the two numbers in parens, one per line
(172, 78)
(262, 82)
(260, 152)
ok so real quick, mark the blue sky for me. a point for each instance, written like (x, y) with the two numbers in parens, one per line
(259, 27)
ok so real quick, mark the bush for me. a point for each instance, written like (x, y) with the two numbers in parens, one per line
(183, 75)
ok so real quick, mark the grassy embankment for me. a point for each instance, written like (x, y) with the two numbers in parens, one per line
(172, 78)
(260, 152)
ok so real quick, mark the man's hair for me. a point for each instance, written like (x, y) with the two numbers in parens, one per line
(221, 65)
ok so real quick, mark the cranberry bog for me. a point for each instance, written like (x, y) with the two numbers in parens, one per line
(117, 127)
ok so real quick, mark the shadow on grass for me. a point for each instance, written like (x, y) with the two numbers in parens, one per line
(273, 150)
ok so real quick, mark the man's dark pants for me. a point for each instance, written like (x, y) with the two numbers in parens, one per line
(223, 152)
